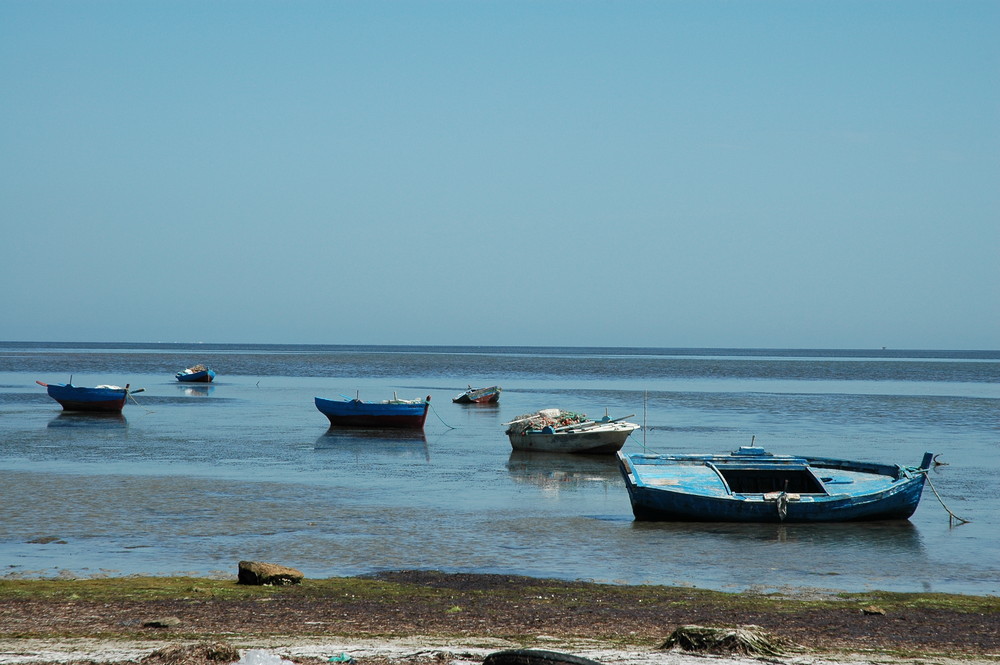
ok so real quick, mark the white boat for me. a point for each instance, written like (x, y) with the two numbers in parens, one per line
(555, 431)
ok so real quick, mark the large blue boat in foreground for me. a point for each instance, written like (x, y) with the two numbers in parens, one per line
(752, 485)
(102, 399)
(405, 413)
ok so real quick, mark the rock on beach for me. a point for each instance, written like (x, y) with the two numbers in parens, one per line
(261, 573)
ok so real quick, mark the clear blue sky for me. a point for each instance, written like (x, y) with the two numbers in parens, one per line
(673, 173)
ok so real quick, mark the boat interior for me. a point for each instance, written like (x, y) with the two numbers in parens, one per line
(762, 481)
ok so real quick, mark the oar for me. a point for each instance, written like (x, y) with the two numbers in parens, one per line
(521, 420)
(585, 423)
(592, 423)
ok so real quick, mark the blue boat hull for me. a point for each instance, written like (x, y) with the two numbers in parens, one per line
(99, 400)
(374, 415)
(691, 489)
(206, 376)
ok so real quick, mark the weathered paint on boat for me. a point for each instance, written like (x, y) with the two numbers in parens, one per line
(102, 399)
(752, 485)
(191, 375)
(590, 438)
(374, 415)
(489, 395)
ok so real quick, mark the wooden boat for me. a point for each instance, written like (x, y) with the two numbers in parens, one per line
(406, 413)
(489, 395)
(752, 485)
(556, 431)
(101, 399)
(196, 374)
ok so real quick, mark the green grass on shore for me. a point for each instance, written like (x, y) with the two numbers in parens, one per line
(546, 591)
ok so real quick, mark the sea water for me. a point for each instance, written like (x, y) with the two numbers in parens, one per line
(193, 478)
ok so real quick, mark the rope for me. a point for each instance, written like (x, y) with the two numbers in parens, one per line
(439, 417)
(128, 394)
(952, 517)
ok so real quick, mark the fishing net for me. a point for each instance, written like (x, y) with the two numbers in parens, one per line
(544, 418)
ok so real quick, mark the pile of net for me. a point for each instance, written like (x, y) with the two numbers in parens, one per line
(544, 418)
(744, 640)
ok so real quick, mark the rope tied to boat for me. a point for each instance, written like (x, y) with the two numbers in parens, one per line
(128, 395)
(952, 517)
(781, 503)
(439, 416)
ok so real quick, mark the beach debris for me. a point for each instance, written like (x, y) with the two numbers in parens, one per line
(262, 657)
(535, 657)
(267, 574)
(162, 622)
(744, 640)
(203, 653)
(341, 658)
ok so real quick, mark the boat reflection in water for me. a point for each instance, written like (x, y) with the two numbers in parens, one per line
(196, 389)
(372, 442)
(867, 539)
(555, 471)
(89, 420)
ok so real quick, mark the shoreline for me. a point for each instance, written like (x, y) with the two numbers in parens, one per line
(412, 615)
(424, 650)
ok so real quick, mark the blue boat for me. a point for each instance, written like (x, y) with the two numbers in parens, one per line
(196, 374)
(405, 413)
(752, 485)
(101, 399)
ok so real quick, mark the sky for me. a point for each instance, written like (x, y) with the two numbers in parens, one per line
(559, 173)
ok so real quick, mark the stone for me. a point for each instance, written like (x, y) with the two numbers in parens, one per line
(261, 573)
(162, 622)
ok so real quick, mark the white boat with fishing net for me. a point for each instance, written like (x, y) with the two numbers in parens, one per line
(557, 431)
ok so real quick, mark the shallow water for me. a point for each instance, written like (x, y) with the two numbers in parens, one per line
(192, 479)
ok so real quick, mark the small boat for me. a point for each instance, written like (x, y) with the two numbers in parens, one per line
(196, 374)
(557, 431)
(407, 413)
(489, 395)
(753, 485)
(101, 399)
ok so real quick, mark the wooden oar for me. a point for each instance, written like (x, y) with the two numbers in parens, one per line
(584, 424)
(521, 420)
(592, 423)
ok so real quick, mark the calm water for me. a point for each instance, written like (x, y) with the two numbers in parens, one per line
(193, 479)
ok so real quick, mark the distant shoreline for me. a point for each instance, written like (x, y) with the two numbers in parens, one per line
(889, 353)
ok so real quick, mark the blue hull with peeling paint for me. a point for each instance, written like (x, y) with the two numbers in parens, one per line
(103, 399)
(394, 413)
(751, 485)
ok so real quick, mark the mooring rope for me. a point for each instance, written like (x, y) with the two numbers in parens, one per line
(439, 416)
(128, 394)
(952, 517)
